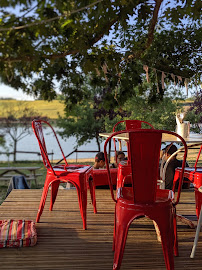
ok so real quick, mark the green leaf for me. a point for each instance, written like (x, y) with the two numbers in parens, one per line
(66, 23)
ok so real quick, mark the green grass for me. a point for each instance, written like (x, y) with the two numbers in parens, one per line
(3, 191)
(40, 179)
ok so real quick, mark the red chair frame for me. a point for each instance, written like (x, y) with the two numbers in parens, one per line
(77, 175)
(143, 198)
(194, 174)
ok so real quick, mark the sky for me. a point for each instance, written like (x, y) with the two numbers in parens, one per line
(8, 92)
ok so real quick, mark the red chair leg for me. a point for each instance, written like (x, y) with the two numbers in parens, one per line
(114, 234)
(82, 198)
(92, 194)
(54, 192)
(176, 250)
(43, 200)
(120, 237)
(176, 178)
(198, 199)
(94, 201)
(165, 224)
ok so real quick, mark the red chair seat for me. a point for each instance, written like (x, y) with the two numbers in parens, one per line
(192, 169)
(162, 195)
(71, 170)
(190, 173)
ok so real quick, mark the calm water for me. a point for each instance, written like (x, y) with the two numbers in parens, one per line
(30, 143)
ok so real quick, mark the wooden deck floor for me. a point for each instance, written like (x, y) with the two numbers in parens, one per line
(63, 244)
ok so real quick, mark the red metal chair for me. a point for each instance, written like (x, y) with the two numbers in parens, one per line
(129, 124)
(100, 176)
(194, 174)
(75, 174)
(143, 198)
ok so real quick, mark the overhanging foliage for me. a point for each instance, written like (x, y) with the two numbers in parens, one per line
(53, 44)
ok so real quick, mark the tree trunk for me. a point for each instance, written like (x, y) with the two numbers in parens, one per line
(98, 142)
(14, 150)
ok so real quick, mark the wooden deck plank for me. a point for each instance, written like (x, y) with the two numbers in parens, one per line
(63, 244)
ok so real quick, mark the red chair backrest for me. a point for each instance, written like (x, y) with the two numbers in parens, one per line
(129, 124)
(37, 126)
(144, 148)
(145, 145)
(135, 124)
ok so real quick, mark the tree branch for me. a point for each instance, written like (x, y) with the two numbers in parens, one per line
(153, 23)
(150, 35)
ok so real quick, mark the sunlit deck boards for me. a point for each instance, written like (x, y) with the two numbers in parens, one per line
(63, 244)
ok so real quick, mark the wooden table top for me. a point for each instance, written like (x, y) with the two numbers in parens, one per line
(192, 138)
